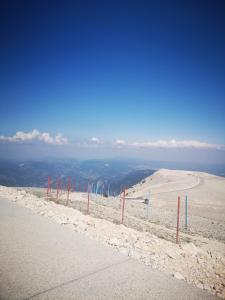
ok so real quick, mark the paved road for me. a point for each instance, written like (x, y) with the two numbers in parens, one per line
(43, 260)
(198, 184)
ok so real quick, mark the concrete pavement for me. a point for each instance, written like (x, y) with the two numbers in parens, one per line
(43, 260)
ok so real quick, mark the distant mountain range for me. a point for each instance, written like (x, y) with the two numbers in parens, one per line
(105, 176)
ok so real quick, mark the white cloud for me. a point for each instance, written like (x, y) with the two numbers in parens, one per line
(35, 135)
(45, 137)
(95, 140)
(177, 144)
(120, 142)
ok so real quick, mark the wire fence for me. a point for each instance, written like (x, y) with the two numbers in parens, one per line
(172, 222)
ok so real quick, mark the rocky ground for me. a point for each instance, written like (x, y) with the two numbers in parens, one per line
(198, 260)
(205, 195)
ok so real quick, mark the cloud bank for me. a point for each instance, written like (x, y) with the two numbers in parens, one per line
(170, 144)
(45, 137)
(95, 140)
(35, 135)
(120, 142)
(159, 144)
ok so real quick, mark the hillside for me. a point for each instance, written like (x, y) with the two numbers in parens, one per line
(148, 236)
(166, 181)
(205, 192)
(109, 175)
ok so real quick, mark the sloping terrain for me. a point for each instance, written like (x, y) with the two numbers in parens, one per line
(149, 232)
(40, 259)
(108, 176)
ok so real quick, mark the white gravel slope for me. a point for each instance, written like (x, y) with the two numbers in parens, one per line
(206, 200)
(201, 263)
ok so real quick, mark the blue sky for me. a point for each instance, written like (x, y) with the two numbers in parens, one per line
(137, 71)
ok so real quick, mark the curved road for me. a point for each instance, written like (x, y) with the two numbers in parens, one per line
(199, 183)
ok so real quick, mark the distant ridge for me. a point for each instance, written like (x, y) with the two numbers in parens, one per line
(109, 175)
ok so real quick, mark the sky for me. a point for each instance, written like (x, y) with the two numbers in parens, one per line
(113, 78)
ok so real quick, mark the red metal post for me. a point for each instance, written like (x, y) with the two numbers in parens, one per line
(58, 187)
(68, 191)
(178, 219)
(47, 190)
(123, 206)
(121, 198)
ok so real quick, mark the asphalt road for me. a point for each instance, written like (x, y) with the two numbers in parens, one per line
(43, 260)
